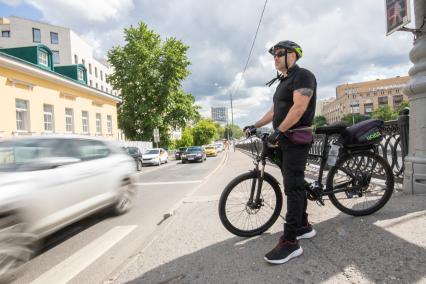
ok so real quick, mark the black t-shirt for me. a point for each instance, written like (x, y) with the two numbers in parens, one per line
(297, 78)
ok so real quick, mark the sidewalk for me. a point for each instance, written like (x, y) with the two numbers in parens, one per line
(387, 247)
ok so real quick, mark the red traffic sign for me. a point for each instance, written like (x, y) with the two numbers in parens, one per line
(398, 14)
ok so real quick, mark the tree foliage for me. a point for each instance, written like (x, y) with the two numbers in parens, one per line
(354, 118)
(233, 131)
(187, 139)
(319, 120)
(149, 73)
(204, 132)
(385, 113)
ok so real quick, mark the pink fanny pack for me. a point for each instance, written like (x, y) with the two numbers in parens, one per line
(300, 135)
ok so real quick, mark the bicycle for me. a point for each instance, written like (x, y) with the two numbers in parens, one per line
(359, 183)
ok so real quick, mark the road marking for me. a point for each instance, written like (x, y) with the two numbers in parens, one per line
(73, 265)
(168, 182)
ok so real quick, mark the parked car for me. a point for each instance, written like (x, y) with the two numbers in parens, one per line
(179, 152)
(50, 182)
(156, 156)
(211, 151)
(219, 146)
(194, 153)
(136, 154)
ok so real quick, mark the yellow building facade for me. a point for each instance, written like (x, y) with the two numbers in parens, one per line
(36, 100)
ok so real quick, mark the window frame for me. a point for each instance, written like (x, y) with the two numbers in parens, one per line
(5, 32)
(85, 126)
(51, 38)
(109, 124)
(52, 119)
(42, 59)
(56, 57)
(71, 117)
(98, 120)
(34, 35)
(25, 120)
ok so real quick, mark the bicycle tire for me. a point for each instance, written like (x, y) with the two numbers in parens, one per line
(340, 166)
(232, 186)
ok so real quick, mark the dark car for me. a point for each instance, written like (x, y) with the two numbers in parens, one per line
(136, 154)
(179, 152)
(194, 154)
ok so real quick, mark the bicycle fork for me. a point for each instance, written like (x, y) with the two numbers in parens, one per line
(255, 202)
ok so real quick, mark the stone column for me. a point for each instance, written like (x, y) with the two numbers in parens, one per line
(415, 162)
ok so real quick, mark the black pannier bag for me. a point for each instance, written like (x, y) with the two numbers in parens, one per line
(366, 132)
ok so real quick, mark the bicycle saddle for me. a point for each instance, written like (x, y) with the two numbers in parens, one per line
(335, 128)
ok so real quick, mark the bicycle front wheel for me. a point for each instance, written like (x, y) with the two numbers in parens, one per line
(360, 183)
(244, 218)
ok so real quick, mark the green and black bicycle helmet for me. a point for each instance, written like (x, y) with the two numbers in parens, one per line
(290, 45)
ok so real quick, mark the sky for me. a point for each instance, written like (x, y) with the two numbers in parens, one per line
(342, 41)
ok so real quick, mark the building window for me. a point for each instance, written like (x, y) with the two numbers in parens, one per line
(48, 118)
(75, 59)
(91, 83)
(397, 91)
(109, 124)
(80, 75)
(54, 38)
(96, 72)
(56, 59)
(102, 88)
(22, 116)
(397, 100)
(98, 123)
(383, 101)
(368, 108)
(90, 68)
(36, 35)
(102, 75)
(5, 33)
(43, 58)
(69, 120)
(106, 90)
(96, 85)
(83, 62)
(85, 121)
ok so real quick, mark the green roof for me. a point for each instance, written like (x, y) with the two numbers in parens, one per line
(30, 55)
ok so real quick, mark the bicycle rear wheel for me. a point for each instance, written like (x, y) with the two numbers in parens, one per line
(360, 183)
(246, 219)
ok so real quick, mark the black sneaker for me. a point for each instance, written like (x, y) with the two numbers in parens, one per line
(283, 252)
(306, 232)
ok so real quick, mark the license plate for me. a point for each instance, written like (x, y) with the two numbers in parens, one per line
(190, 159)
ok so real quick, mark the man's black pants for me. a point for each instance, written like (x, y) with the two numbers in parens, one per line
(294, 158)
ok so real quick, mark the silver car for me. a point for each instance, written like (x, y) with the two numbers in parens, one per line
(50, 182)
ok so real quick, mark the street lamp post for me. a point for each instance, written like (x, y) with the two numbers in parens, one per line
(415, 161)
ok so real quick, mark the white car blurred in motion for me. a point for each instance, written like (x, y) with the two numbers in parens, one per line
(47, 183)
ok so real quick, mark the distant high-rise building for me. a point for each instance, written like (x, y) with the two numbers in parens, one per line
(220, 114)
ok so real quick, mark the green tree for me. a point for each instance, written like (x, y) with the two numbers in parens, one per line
(403, 105)
(319, 120)
(385, 113)
(356, 117)
(234, 131)
(204, 132)
(187, 138)
(149, 73)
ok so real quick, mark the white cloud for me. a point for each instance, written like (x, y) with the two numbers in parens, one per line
(343, 41)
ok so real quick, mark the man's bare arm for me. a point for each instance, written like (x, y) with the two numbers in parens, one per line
(301, 98)
(267, 118)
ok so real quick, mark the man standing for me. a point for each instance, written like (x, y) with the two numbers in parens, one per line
(293, 107)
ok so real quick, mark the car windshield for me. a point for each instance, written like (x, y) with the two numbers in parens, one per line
(210, 148)
(183, 149)
(132, 150)
(14, 154)
(194, 149)
(152, 151)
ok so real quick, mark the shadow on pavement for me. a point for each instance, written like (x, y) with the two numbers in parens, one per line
(346, 249)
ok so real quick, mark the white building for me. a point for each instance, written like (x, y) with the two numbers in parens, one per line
(67, 47)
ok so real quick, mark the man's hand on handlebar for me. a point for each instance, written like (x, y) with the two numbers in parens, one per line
(249, 130)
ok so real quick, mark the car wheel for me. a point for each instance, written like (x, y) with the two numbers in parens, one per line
(16, 246)
(126, 193)
(139, 166)
(167, 160)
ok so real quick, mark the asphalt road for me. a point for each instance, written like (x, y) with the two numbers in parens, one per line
(91, 250)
